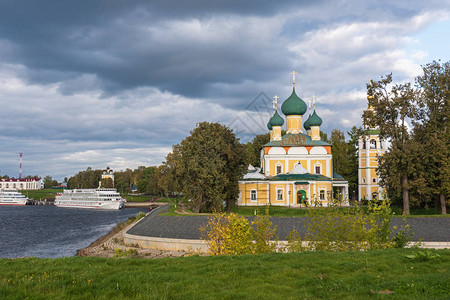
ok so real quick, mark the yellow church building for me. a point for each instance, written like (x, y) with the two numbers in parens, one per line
(296, 168)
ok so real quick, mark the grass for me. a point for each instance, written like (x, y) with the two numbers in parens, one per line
(311, 275)
(41, 194)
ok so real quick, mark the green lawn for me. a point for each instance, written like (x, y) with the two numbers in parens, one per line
(41, 194)
(310, 275)
(279, 211)
(143, 198)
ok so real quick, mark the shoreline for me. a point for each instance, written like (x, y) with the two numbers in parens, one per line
(112, 245)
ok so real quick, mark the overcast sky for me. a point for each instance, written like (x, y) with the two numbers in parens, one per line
(117, 83)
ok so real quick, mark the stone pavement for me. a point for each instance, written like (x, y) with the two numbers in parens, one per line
(430, 229)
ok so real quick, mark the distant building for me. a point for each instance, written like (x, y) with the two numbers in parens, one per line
(108, 173)
(34, 183)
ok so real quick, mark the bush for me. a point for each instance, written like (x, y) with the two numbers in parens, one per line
(234, 235)
(342, 229)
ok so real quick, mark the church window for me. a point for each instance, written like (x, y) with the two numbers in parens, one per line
(374, 180)
(363, 180)
(317, 169)
(253, 195)
(373, 144)
(280, 194)
(364, 144)
(279, 170)
(322, 195)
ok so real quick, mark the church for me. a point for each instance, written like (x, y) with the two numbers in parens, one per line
(296, 168)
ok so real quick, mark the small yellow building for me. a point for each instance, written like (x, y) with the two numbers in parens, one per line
(296, 168)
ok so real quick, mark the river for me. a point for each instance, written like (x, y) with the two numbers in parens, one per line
(51, 232)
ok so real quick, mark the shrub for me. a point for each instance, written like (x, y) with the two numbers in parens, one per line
(234, 235)
(227, 235)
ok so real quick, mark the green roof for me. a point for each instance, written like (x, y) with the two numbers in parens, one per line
(291, 139)
(314, 120)
(306, 124)
(269, 126)
(276, 120)
(371, 131)
(293, 105)
(307, 176)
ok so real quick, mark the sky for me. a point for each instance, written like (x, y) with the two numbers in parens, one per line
(117, 83)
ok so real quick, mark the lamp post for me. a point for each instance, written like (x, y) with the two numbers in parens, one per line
(289, 200)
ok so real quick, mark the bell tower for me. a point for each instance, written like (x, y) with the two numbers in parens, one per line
(371, 147)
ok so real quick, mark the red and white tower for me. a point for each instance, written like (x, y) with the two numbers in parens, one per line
(20, 166)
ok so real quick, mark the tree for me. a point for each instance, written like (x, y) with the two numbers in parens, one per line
(107, 183)
(392, 107)
(49, 182)
(432, 134)
(254, 149)
(207, 166)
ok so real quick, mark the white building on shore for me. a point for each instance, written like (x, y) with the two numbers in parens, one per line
(34, 183)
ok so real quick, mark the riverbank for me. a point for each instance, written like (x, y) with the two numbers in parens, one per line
(112, 245)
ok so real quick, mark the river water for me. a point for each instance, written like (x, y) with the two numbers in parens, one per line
(52, 232)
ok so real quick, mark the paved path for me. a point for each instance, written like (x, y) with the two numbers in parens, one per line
(187, 227)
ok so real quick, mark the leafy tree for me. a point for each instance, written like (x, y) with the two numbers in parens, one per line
(345, 157)
(432, 135)
(88, 179)
(107, 183)
(392, 107)
(207, 166)
(49, 182)
(254, 148)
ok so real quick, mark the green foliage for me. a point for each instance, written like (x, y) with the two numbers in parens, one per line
(337, 229)
(120, 253)
(310, 275)
(294, 242)
(206, 167)
(264, 233)
(230, 234)
(254, 149)
(424, 255)
(345, 157)
(88, 179)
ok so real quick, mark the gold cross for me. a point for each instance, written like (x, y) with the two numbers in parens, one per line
(293, 76)
(274, 102)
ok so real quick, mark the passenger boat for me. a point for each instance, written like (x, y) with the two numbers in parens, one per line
(90, 198)
(12, 197)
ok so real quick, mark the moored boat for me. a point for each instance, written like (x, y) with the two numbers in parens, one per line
(90, 198)
(12, 197)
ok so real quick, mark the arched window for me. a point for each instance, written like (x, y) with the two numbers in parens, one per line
(373, 144)
(364, 144)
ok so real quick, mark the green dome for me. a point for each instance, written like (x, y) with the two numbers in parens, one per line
(314, 120)
(306, 124)
(269, 126)
(293, 105)
(276, 120)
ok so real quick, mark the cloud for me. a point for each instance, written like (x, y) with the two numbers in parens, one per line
(88, 84)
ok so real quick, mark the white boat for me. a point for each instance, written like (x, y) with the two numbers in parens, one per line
(90, 198)
(12, 197)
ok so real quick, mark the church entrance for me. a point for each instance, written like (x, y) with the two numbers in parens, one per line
(301, 197)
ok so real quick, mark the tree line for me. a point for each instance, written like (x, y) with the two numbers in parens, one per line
(414, 119)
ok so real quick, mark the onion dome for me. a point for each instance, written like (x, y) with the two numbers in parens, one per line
(276, 120)
(293, 105)
(314, 120)
(269, 126)
(306, 124)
